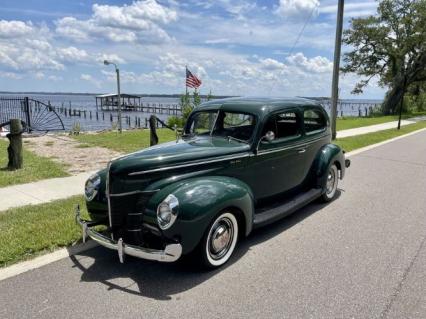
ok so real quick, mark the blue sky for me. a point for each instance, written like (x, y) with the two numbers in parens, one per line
(235, 47)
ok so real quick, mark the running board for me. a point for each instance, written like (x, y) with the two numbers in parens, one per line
(269, 215)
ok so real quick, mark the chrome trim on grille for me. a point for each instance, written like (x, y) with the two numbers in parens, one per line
(134, 193)
(108, 195)
(187, 165)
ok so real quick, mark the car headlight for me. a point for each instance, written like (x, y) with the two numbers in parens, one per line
(92, 186)
(167, 212)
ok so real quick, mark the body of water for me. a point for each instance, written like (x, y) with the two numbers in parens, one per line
(86, 102)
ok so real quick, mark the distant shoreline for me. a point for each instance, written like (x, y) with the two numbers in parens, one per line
(178, 95)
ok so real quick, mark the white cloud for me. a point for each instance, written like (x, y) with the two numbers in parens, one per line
(39, 75)
(354, 9)
(318, 64)
(110, 57)
(297, 8)
(14, 29)
(10, 75)
(38, 51)
(271, 64)
(72, 54)
(138, 22)
(89, 78)
(136, 16)
(27, 55)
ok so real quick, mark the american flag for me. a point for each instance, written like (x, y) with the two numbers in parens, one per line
(191, 80)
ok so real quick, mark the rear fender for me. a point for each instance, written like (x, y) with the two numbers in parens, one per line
(327, 155)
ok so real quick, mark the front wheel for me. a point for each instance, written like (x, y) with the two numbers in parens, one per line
(330, 187)
(220, 240)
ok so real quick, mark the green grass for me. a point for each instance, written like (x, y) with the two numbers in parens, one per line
(353, 122)
(128, 141)
(35, 168)
(353, 142)
(28, 231)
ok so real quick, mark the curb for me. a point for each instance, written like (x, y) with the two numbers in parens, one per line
(43, 260)
(369, 147)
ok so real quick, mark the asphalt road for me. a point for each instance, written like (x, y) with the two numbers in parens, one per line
(361, 256)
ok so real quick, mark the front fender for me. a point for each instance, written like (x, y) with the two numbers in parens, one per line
(200, 200)
(328, 154)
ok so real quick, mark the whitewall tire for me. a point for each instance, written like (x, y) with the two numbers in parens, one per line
(220, 240)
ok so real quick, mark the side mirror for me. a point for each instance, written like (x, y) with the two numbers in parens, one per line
(269, 136)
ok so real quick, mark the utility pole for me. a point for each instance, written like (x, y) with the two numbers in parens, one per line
(120, 125)
(336, 67)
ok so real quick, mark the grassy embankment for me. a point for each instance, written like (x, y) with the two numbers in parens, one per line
(128, 141)
(353, 122)
(32, 230)
(354, 142)
(35, 168)
(28, 231)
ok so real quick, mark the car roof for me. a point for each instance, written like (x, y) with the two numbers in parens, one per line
(259, 106)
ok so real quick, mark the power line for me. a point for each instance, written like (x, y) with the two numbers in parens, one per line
(303, 29)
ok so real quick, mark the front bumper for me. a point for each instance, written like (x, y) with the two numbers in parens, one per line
(171, 252)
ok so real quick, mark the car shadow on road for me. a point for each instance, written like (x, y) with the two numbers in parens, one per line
(163, 280)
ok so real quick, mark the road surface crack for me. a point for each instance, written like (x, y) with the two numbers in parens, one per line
(398, 289)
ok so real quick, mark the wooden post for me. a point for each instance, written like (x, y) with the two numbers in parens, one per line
(153, 138)
(14, 150)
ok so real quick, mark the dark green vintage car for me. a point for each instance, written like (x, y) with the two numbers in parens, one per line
(241, 163)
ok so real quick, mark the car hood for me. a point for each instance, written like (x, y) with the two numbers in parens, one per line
(177, 152)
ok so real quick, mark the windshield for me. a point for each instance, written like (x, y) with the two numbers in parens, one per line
(231, 125)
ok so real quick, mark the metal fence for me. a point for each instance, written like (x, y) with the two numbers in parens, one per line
(35, 115)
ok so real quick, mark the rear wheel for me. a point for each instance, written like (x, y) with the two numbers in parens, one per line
(330, 187)
(220, 240)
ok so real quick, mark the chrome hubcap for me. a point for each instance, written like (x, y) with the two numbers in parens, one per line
(221, 236)
(331, 180)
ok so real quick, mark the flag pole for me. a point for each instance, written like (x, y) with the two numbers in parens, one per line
(186, 74)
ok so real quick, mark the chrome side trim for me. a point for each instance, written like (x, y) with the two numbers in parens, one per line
(108, 195)
(303, 144)
(188, 164)
(134, 192)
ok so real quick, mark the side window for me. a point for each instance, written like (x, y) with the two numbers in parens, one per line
(284, 125)
(314, 121)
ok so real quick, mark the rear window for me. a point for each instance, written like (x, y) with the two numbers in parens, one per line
(314, 121)
(284, 125)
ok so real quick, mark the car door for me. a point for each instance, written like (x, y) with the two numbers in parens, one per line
(277, 168)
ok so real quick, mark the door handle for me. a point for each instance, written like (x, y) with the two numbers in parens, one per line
(301, 150)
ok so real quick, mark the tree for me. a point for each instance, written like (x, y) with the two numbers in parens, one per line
(390, 45)
(187, 104)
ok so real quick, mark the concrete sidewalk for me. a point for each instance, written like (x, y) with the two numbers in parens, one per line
(42, 191)
(377, 127)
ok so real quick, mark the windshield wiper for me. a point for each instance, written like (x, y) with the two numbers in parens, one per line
(236, 139)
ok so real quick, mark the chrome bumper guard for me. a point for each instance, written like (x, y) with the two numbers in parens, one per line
(171, 253)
